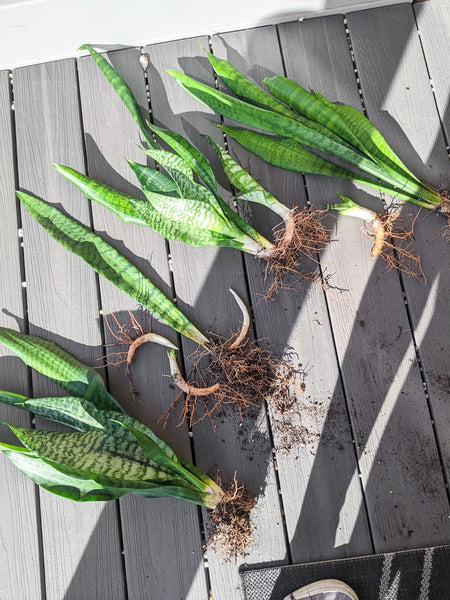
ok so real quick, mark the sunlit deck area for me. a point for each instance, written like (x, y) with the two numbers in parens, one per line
(369, 472)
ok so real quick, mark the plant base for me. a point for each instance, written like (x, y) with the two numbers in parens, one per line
(303, 235)
(229, 526)
(393, 244)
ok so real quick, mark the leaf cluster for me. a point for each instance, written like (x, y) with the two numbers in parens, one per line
(110, 454)
(175, 205)
(298, 124)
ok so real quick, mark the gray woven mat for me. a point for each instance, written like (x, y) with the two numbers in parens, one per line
(410, 575)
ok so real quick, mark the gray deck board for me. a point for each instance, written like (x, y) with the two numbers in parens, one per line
(19, 522)
(406, 109)
(369, 476)
(433, 21)
(63, 306)
(371, 329)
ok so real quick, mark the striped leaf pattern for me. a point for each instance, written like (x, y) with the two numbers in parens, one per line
(122, 89)
(58, 365)
(109, 263)
(112, 454)
(311, 120)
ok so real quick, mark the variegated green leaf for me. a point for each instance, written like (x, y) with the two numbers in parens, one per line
(189, 234)
(289, 154)
(115, 201)
(109, 263)
(153, 180)
(171, 162)
(273, 122)
(188, 153)
(94, 455)
(241, 180)
(52, 480)
(250, 92)
(351, 126)
(122, 89)
(59, 366)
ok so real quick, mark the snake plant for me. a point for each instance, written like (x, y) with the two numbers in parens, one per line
(258, 369)
(110, 454)
(295, 122)
(178, 207)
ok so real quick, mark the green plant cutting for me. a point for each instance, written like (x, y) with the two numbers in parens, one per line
(110, 454)
(384, 230)
(179, 208)
(244, 373)
(296, 123)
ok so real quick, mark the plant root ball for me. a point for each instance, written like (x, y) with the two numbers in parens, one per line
(303, 235)
(243, 376)
(229, 526)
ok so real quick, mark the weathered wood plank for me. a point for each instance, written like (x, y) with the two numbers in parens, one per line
(319, 467)
(63, 306)
(162, 545)
(433, 20)
(397, 452)
(400, 102)
(202, 277)
(19, 521)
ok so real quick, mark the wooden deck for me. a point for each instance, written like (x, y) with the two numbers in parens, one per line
(371, 475)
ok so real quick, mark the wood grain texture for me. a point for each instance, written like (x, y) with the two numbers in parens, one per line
(399, 101)
(19, 522)
(162, 544)
(62, 306)
(202, 277)
(317, 467)
(371, 328)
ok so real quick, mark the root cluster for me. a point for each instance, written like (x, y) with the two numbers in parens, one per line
(394, 244)
(244, 376)
(303, 235)
(229, 527)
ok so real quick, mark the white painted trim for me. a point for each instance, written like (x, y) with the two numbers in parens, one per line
(34, 31)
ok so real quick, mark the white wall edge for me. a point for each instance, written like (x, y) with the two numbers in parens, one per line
(25, 40)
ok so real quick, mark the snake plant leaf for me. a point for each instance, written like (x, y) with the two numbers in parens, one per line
(85, 416)
(12, 399)
(190, 234)
(58, 365)
(52, 480)
(171, 162)
(109, 263)
(273, 122)
(244, 88)
(292, 156)
(346, 121)
(250, 92)
(75, 412)
(193, 157)
(241, 180)
(122, 89)
(117, 202)
(193, 212)
(96, 456)
(153, 181)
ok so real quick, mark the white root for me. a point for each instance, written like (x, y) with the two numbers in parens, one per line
(245, 323)
(143, 339)
(183, 384)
